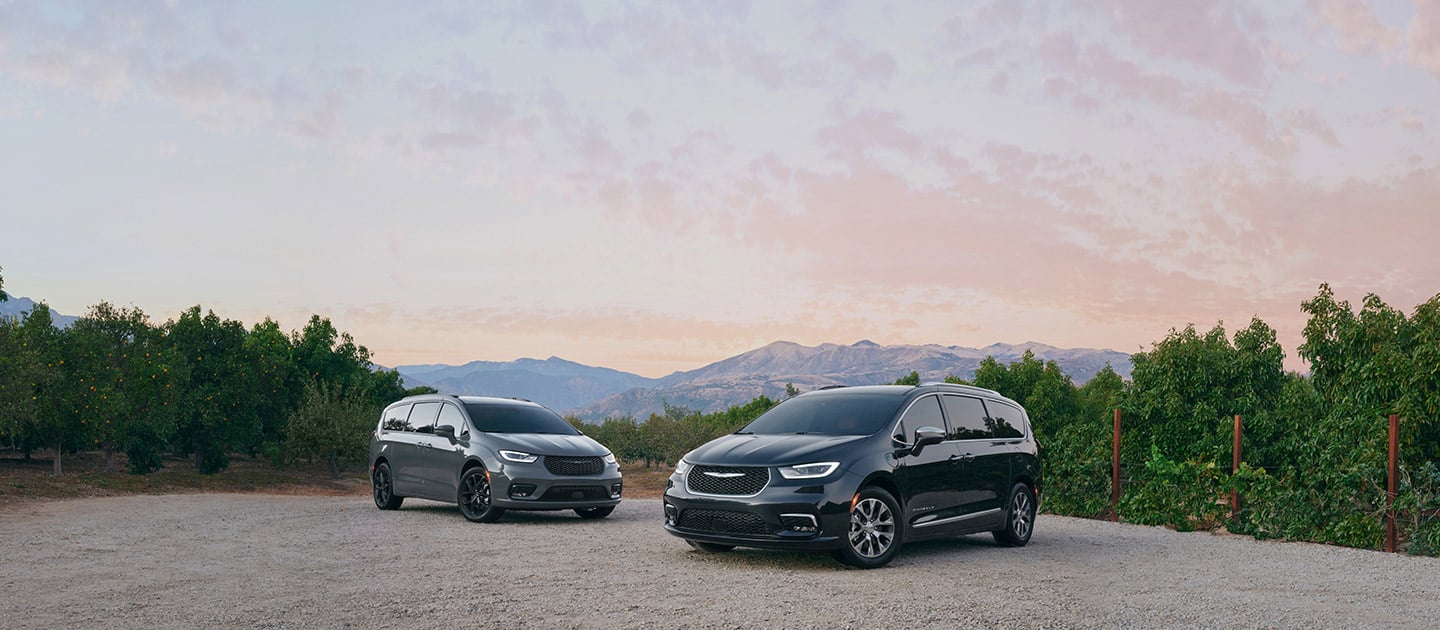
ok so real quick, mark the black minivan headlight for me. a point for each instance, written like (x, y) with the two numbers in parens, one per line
(809, 471)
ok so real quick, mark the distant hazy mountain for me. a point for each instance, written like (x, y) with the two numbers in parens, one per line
(554, 382)
(595, 392)
(16, 306)
(768, 369)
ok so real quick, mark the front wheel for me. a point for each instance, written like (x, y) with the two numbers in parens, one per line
(874, 534)
(1019, 518)
(384, 486)
(598, 512)
(475, 497)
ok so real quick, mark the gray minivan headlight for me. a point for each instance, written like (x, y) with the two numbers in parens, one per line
(517, 456)
(682, 467)
(610, 458)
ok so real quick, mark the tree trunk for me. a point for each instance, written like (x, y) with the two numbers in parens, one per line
(59, 446)
(109, 460)
(334, 465)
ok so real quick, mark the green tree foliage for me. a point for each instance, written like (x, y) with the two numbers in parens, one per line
(331, 423)
(1046, 392)
(220, 394)
(124, 386)
(913, 378)
(57, 424)
(665, 438)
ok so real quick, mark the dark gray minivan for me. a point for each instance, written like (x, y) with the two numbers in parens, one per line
(489, 455)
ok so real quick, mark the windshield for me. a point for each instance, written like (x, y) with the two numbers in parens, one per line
(833, 413)
(503, 418)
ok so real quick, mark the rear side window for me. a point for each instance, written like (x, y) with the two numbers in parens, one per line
(1008, 420)
(422, 417)
(967, 418)
(396, 418)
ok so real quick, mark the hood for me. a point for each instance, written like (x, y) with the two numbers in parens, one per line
(546, 444)
(771, 450)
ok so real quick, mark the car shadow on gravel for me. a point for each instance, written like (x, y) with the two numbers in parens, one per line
(763, 559)
(550, 517)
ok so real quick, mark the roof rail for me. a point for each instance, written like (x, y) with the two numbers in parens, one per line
(520, 399)
(821, 389)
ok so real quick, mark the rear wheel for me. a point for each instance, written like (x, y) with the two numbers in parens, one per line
(474, 497)
(874, 534)
(710, 547)
(1019, 518)
(384, 486)
(596, 512)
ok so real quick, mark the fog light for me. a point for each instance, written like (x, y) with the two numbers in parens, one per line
(615, 490)
(804, 523)
(669, 514)
(522, 490)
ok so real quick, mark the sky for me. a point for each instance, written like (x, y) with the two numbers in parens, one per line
(656, 186)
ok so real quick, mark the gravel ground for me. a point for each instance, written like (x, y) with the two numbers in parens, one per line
(284, 561)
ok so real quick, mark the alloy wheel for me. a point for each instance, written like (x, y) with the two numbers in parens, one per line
(872, 528)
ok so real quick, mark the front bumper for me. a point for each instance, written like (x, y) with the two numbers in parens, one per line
(531, 487)
(798, 514)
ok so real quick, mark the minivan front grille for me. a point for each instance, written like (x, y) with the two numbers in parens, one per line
(727, 480)
(723, 522)
(573, 466)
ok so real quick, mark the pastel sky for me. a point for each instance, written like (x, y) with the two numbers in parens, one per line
(656, 186)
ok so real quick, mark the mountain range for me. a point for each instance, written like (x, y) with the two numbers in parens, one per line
(593, 393)
(16, 307)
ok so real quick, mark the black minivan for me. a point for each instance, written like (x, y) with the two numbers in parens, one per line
(859, 470)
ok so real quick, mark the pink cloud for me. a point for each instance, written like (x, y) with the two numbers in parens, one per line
(1359, 29)
(1423, 38)
(1223, 35)
(855, 134)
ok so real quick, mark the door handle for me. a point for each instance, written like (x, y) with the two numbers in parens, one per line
(962, 458)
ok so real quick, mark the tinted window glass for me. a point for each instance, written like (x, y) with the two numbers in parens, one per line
(422, 417)
(833, 413)
(450, 416)
(967, 418)
(924, 413)
(395, 418)
(1007, 421)
(503, 418)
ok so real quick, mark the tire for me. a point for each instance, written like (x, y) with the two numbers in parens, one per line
(705, 547)
(873, 537)
(383, 485)
(1019, 518)
(474, 497)
(594, 513)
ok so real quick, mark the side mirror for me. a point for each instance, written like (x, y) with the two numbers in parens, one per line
(925, 436)
(446, 431)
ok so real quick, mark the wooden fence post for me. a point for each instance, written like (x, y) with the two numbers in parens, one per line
(1235, 468)
(1391, 484)
(1115, 472)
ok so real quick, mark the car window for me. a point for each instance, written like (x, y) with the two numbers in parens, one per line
(513, 418)
(925, 412)
(834, 412)
(450, 416)
(395, 418)
(967, 418)
(422, 417)
(1007, 421)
